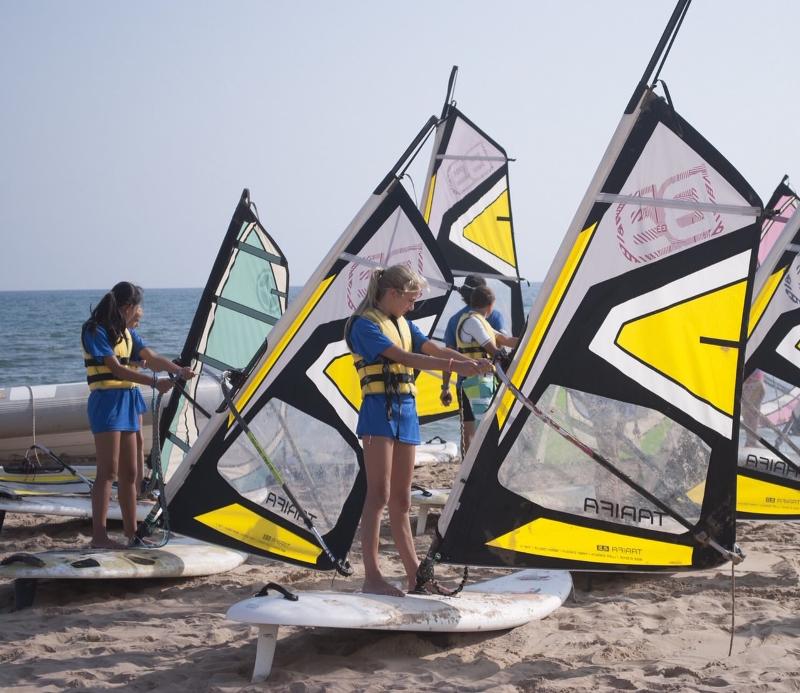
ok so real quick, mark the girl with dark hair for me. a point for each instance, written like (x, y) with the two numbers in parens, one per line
(111, 351)
(386, 349)
(495, 320)
(476, 338)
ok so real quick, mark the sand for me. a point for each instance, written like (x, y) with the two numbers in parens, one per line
(651, 633)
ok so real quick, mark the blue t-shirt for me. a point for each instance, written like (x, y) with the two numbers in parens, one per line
(495, 319)
(114, 409)
(367, 340)
(98, 345)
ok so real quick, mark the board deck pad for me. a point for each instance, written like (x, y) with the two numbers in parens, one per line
(504, 602)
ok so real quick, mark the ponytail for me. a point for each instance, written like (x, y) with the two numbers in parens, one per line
(381, 280)
(108, 313)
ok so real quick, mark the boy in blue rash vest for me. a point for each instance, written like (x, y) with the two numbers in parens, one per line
(386, 350)
(495, 318)
(115, 403)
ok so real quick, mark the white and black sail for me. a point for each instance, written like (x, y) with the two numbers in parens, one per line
(300, 400)
(613, 448)
(768, 484)
(244, 297)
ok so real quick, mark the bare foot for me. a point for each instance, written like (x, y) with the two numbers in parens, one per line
(106, 543)
(381, 586)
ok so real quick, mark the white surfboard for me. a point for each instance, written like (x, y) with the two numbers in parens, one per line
(505, 602)
(444, 452)
(180, 557)
(66, 506)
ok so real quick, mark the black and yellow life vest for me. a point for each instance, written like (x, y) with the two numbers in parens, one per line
(472, 348)
(99, 376)
(385, 376)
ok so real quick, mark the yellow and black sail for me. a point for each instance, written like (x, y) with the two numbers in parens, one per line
(300, 399)
(768, 483)
(467, 204)
(632, 357)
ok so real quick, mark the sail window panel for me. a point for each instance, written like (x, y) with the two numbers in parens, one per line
(771, 407)
(187, 421)
(321, 476)
(252, 284)
(234, 338)
(667, 460)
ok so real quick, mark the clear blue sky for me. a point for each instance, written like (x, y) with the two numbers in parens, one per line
(128, 130)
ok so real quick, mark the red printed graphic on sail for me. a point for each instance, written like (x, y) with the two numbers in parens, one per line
(648, 232)
(358, 276)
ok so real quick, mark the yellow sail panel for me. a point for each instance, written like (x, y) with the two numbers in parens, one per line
(756, 496)
(279, 348)
(555, 539)
(429, 388)
(696, 493)
(669, 341)
(244, 525)
(540, 329)
(491, 230)
(761, 301)
(343, 374)
(426, 213)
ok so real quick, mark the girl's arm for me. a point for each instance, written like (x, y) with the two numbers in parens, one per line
(452, 361)
(435, 349)
(157, 362)
(124, 373)
(506, 341)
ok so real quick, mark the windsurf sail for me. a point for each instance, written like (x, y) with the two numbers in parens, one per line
(768, 483)
(625, 388)
(467, 205)
(300, 399)
(244, 297)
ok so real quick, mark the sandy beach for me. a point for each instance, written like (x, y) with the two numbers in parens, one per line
(618, 632)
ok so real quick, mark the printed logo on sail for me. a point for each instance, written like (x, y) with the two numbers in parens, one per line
(358, 276)
(790, 282)
(464, 174)
(648, 232)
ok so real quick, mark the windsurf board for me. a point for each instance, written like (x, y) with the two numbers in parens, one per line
(504, 602)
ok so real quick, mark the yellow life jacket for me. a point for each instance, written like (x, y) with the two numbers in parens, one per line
(99, 376)
(376, 377)
(472, 348)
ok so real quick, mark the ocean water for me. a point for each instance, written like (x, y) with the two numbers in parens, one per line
(40, 331)
(40, 334)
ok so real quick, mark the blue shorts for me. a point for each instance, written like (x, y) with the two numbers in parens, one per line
(403, 426)
(116, 409)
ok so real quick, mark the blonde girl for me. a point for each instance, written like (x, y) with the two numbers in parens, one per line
(386, 349)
